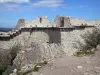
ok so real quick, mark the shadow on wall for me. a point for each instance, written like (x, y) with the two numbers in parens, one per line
(54, 36)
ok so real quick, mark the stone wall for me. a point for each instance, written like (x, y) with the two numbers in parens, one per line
(50, 36)
(67, 22)
(51, 44)
(60, 21)
(36, 23)
(69, 40)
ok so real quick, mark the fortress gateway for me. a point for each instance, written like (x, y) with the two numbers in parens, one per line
(62, 34)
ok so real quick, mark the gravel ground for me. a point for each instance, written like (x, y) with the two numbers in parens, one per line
(71, 65)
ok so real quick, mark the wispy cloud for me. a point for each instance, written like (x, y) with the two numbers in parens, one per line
(74, 7)
(48, 3)
(14, 1)
(10, 5)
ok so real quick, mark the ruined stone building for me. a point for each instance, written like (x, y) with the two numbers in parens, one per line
(62, 33)
(52, 38)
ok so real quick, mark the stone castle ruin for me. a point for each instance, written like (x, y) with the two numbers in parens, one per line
(62, 31)
(61, 35)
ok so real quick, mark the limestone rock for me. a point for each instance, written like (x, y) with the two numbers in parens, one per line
(5, 58)
(93, 50)
(14, 72)
(79, 67)
(98, 47)
(86, 74)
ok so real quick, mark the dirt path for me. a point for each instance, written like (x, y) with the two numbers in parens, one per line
(70, 65)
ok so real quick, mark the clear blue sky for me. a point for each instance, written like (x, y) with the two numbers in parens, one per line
(12, 10)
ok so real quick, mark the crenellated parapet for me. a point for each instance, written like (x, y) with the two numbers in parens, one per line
(59, 21)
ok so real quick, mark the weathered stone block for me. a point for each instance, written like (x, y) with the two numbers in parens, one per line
(21, 23)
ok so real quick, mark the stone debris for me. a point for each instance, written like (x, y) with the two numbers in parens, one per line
(38, 66)
(87, 61)
(79, 67)
(97, 67)
(86, 74)
(14, 72)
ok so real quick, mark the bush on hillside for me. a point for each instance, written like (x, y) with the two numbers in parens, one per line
(91, 39)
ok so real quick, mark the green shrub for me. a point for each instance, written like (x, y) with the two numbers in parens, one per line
(1, 71)
(36, 68)
(91, 39)
(83, 53)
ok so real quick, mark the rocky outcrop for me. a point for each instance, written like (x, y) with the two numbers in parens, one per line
(37, 53)
(5, 58)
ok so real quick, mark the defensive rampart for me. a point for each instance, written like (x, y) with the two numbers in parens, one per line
(56, 31)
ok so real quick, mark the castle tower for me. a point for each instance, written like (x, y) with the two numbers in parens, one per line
(67, 22)
(21, 23)
(59, 21)
(41, 21)
(62, 21)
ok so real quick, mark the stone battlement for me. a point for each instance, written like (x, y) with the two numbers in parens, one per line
(59, 21)
(11, 35)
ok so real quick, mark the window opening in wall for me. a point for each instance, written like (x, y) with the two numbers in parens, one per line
(62, 22)
(50, 42)
(35, 25)
(40, 20)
